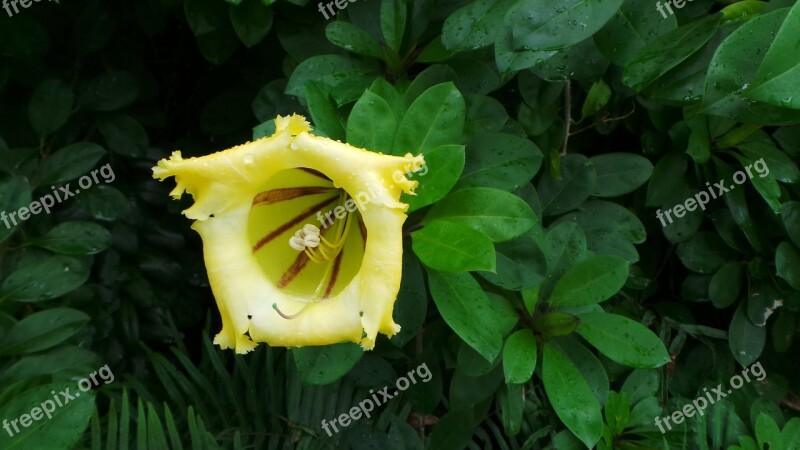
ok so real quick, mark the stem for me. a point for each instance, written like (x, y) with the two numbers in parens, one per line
(567, 116)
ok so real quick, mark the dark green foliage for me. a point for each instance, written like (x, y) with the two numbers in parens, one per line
(587, 272)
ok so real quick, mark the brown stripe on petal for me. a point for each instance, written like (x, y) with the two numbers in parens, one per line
(316, 173)
(363, 230)
(334, 275)
(282, 194)
(292, 223)
(293, 270)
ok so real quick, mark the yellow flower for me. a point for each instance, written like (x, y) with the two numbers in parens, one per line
(302, 236)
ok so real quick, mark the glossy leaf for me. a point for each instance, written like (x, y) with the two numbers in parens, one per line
(623, 340)
(71, 162)
(453, 247)
(519, 357)
(498, 214)
(76, 238)
(464, 307)
(589, 282)
(43, 280)
(571, 397)
(42, 330)
(435, 118)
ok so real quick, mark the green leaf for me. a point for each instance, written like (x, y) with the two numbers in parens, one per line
(484, 115)
(251, 21)
(550, 25)
(15, 193)
(521, 264)
(75, 238)
(352, 38)
(435, 118)
(123, 134)
(453, 431)
(746, 340)
(270, 102)
(597, 97)
(578, 180)
(372, 123)
(591, 281)
(109, 91)
(43, 280)
(588, 365)
(662, 188)
(742, 11)
(61, 431)
(767, 186)
(346, 77)
(555, 324)
(443, 166)
(501, 161)
(725, 285)
(324, 113)
(617, 411)
(61, 361)
(519, 357)
(582, 62)
(620, 173)
(779, 73)
(570, 396)
(412, 302)
(767, 432)
(705, 253)
(512, 407)
(475, 25)
(630, 30)
(565, 245)
(326, 364)
(733, 68)
(783, 331)
(623, 340)
(611, 229)
(498, 214)
(787, 264)
(667, 51)
(453, 247)
(71, 162)
(464, 307)
(790, 213)
(42, 330)
(640, 384)
(699, 141)
(104, 203)
(393, 22)
(765, 158)
(50, 107)
(791, 433)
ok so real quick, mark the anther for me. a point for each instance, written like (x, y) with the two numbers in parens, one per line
(311, 240)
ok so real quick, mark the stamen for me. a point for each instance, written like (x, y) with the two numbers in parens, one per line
(297, 243)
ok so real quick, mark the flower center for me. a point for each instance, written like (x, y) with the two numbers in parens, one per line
(307, 234)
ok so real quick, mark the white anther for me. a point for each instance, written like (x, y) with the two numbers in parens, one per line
(300, 234)
(310, 229)
(311, 240)
(297, 243)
